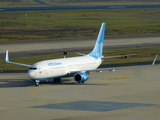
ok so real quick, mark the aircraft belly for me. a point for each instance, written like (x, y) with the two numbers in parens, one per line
(56, 72)
(85, 66)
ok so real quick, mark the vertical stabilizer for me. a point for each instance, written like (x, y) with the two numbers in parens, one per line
(98, 48)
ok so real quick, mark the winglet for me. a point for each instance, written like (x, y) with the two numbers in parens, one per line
(7, 56)
(155, 59)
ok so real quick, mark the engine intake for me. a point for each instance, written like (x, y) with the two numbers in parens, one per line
(81, 77)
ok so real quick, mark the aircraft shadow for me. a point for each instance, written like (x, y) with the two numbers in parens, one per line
(7, 83)
(66, 81)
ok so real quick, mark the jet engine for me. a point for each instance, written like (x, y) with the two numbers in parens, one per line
(81, 77)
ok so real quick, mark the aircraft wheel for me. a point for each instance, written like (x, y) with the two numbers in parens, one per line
(54, 80)
(37, 84)
(81, 82)
(57, 80)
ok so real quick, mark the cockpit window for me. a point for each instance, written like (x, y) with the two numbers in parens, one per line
(33, 68)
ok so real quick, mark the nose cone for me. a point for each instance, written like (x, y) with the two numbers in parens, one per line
(32, 74)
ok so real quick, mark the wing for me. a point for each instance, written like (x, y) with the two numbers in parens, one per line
(7, 60)
(111, 69)
(114, 68)
(109, 56)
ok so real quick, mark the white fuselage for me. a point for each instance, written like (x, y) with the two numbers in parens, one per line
(55, 68)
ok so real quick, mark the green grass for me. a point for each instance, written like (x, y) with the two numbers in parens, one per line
(16, 3)
(143, 54)
(64, 25)
(97, 2)
(32, 3)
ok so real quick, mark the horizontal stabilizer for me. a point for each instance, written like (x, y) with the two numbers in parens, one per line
(81, 54)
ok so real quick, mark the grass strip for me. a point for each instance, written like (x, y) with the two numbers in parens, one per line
(85, 24)
(32, 3)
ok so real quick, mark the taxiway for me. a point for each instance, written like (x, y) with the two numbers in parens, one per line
(124, 94)
(49, 47)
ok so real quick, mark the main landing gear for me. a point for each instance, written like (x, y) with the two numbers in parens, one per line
(81, 82)
(57, 80)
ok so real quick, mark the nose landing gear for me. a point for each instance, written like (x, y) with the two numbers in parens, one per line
(37, 83)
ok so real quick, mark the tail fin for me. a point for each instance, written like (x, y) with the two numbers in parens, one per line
(98, 48)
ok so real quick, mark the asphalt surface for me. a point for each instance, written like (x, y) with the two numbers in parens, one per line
(129, 94)
(59, 8)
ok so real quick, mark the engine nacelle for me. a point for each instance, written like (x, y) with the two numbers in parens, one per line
(81, 77)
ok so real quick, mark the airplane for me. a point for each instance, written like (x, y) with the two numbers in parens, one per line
(78, 67)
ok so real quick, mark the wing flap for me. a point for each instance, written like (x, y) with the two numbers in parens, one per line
(119, 56)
